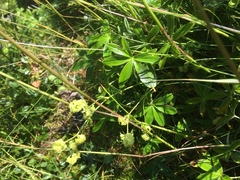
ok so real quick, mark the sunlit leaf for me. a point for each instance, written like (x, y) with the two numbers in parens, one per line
(146, 74)
(115, 61)
(209, 176)
(125, 73)
(96, 41)
(233, 3)
(146, 58)
(212, 164)
(117, 50)
(126, 46)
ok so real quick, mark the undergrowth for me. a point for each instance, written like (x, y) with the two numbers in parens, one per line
(119, 89)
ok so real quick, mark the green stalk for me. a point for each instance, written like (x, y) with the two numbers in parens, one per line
(163, 30)
(33, 88)
(59, 76)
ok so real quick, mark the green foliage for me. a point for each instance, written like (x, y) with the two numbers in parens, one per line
(140, 73)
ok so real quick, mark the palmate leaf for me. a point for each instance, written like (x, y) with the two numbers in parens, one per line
(146, 74)
(151, 113)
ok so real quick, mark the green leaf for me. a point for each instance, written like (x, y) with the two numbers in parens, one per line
(164, 48)
(13, 84)
(152, 33)
(126, 46)
(236, 157)
(233, 3)
(171, 21)
(148, 117)
(211, 166)
(115, 61)
(235, 144)
(146, 58)
(167, 109)
(117, 50)
(96, 41)
(158, 116)
(32, 162)
(146, 74)
(210, 176)
(163, 100)
(125, 73)
(236, 88)
(80, 64)
(183, 30)
(98, 125)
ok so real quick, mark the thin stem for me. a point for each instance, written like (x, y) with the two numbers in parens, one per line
(163, 30)
(216, 38)
(33, 88)
(59, 76)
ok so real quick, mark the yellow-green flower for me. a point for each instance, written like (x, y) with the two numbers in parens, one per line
(73, 145)
(73, 158)
(59, 146)
(88, 112)
(81, 138)
(146, 126)
(122, 136)
(145, 137)
(123, 120)
(77, 105)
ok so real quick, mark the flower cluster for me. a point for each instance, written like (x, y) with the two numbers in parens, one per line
(59, 146)
(123, 120)
(145, 127)
(81, 105)
(77, 105)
